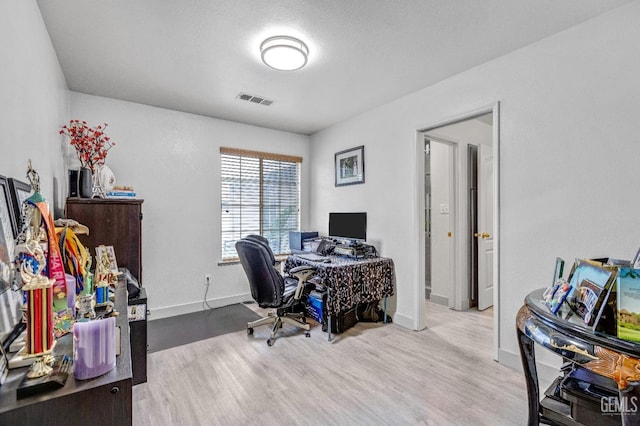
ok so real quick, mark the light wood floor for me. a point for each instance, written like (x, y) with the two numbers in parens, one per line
(370, 375)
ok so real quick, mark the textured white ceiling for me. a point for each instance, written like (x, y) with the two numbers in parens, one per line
(198, 55)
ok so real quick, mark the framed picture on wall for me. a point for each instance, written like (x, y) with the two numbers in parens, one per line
(19, 191)
(349, 166)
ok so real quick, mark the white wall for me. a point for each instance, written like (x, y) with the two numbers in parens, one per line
(172, 159)
(33, 102)
(568, 163)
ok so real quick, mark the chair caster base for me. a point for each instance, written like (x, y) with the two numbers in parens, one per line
(307, 334)
(249, 331)
(270, 342)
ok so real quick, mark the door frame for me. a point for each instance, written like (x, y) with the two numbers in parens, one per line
(420, 322)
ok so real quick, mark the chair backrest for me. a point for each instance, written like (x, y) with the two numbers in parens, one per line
(266, 283)
(262, 240)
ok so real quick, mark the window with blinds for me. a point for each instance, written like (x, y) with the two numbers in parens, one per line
(260, 194)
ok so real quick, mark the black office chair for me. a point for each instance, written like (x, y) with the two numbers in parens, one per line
(271, 290)
(262, 240)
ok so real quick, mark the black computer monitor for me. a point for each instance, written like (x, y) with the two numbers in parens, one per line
(351, 226)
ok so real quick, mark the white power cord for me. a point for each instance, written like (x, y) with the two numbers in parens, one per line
(204, 301)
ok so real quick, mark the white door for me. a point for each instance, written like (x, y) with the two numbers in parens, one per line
(485, 227)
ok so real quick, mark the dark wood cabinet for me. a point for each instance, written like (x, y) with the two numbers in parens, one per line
(118, 223)
(111, 222)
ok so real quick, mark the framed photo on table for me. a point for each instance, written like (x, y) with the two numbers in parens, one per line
(4, 365)
(7, 237)
(19, 191)
(635, 263)
(349, 166)
(591, 283)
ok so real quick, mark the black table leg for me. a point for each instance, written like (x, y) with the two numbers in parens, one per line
(328, 316)
(528, 357)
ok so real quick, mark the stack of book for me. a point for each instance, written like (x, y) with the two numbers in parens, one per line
(122, 192)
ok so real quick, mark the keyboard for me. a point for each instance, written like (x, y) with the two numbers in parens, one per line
(312, 257)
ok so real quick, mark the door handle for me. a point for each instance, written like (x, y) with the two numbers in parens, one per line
(483, 235)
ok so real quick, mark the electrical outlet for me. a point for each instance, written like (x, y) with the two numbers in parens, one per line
(207, 279)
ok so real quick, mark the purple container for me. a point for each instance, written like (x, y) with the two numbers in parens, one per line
(94, 348)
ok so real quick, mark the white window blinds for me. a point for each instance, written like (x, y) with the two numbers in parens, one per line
(260, 194)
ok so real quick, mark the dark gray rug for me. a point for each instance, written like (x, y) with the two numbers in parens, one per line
(180, 330)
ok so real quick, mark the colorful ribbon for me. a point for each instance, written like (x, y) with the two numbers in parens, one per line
(55, 268)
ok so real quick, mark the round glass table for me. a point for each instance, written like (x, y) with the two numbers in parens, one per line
(566, 334)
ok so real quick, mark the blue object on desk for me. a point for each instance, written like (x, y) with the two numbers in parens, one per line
(296, 238)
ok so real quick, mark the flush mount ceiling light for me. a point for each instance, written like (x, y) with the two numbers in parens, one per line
(284, 53)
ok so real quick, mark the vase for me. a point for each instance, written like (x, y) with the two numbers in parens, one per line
(85, 183)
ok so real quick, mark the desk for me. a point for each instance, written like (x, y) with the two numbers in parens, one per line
(104, 400)
(351, 281)
(566, 336)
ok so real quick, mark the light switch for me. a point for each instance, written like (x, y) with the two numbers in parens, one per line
(444, 208)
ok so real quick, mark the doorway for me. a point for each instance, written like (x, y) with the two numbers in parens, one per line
(468, 210)
(440, 225)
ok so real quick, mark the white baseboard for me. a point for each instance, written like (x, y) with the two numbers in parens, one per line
(403, 321)
(440, 300)
(187, 308)
(546, 372)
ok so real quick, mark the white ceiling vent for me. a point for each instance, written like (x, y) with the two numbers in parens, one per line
(255, 99)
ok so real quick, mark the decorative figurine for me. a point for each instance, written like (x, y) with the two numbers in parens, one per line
(39, 301)
(39, 368)
(88, 277)
(104, 277)
(85, 306)
(41, 224)
(49, 294)
(85, 301)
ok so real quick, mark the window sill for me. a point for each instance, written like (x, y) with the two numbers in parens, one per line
(236, 261)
